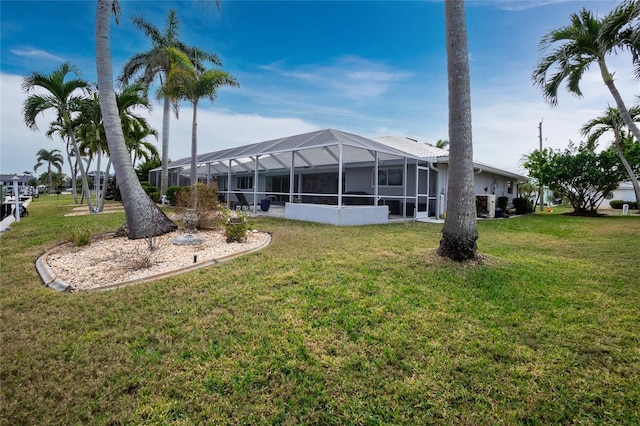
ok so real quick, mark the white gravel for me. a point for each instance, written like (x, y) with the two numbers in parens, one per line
(111, 260)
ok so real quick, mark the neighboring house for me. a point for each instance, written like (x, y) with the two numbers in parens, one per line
(623, 192)
(7, 182)
(388, 176)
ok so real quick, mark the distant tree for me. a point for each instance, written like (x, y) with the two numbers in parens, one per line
(52, 158)
(581, 175)
(57, 179)
(460, 232)
(141, 150)
(611, 121)
(442, 144)
(143, 168)
(58, 127)
(187, 82)
(570, 50)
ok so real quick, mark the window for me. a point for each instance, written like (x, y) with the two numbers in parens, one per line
(509, 187)
(244, 182)
(390, 177)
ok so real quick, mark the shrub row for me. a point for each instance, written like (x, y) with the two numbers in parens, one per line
(617, 204)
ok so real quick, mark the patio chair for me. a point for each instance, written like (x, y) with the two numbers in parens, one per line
(242, 200)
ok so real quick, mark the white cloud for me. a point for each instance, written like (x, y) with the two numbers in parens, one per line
(348, 76)
(36, 53)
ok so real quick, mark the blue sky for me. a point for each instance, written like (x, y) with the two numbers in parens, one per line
(373, 68)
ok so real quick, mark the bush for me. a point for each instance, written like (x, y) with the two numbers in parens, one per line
(523, 205)
(502, 203)
(208, 209)
(80, 236)
(617, 204)
(172, 193)
(149, 189)
(116, 194)
(155, 196)
(236, 226)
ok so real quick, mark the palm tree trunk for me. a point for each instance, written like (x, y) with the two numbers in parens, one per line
(459, 233)
(632, 175)
(73, 176)
(194, 157)
(50, 178)
(100, 200)
(83, 174)
(624, 112)
(166, 117)
(144, 217)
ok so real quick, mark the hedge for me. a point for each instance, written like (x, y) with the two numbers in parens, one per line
(617, 204)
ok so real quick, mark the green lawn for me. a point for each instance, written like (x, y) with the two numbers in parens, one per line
(328, 325)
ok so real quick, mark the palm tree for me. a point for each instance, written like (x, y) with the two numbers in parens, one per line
(572, 49)
(62, 98)
(156, 64)
(460, 231)
(186, 82)
(623, 26)
(139, 148)
(53, 158)
(89, 131)
(442, 144)
(144, 218)
(59, 128)
(612, 121)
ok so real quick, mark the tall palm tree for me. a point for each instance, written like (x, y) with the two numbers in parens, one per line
(570, 50)
(62, 97)
(612, 121)
(186, 82)
(53, 158)
(58, 127)
(155, 64)
(460, 231)
(144, 217)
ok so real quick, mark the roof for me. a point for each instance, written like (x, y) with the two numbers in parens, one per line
(412, 146)
(322, 148)
(9, 178)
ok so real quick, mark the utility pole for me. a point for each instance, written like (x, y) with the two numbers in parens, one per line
(541, 190)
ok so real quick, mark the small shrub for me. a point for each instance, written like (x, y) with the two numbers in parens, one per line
(236, 227)
(80, 236)
(149, 189)
(172, 193)
(155, 196)
(617, 204)
(138, 259)
(523, 205)
(208, 209)
(116, 194)
(503, 202)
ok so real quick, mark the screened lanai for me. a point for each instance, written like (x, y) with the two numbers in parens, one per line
(303, 172)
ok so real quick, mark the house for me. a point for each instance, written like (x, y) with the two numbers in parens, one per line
(623, 192)
(331, 176)
(6, 181)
